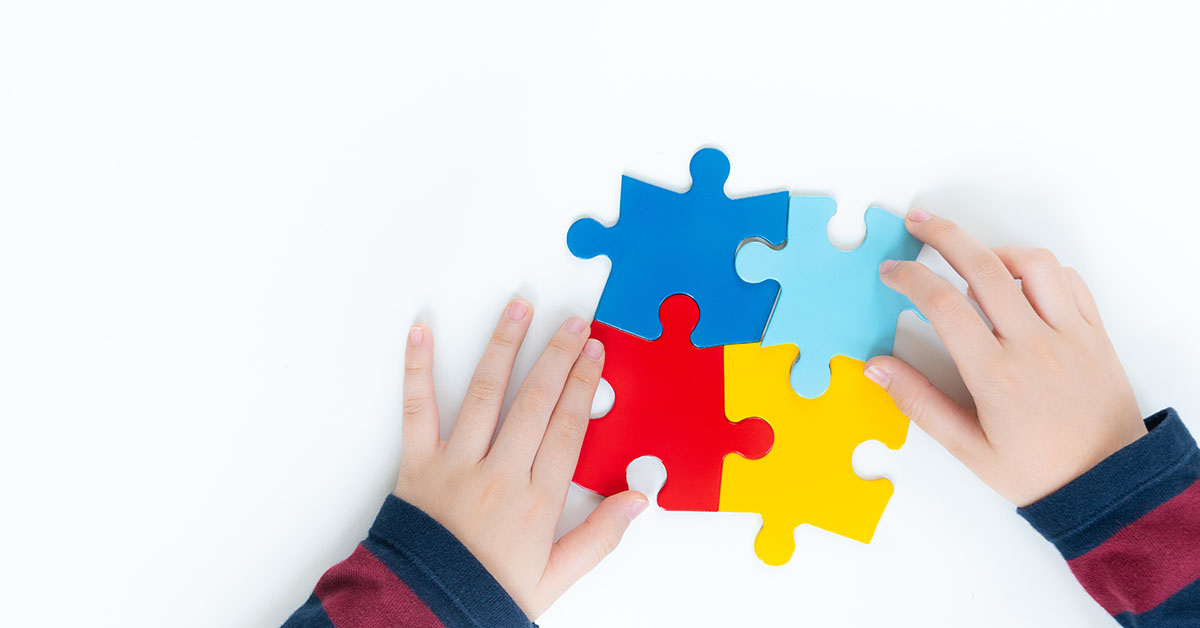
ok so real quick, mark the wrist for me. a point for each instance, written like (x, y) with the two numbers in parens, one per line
(1105, 445)
(450, 578)
(1120, 488)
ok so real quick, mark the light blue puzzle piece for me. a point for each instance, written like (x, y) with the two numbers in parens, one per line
(831, 302)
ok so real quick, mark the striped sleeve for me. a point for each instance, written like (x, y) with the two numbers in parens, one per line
(1130, 527)
(412, 572)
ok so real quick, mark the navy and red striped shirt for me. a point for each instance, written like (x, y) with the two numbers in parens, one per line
(409, 572)
(1129, 529)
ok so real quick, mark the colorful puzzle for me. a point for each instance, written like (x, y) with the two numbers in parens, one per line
(670, 405)
(667, 243)
(702, 355)
(807, 476)
(832, 302)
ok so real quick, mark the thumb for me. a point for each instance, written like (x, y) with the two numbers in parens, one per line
(581, 549)
(944, 419)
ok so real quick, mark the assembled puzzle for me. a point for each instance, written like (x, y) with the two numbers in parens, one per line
(735, 334)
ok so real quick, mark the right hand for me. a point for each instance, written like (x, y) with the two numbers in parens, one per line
(1051, 398)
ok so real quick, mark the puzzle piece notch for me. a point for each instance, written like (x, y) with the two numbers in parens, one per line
(808, 476)
(831, 301)
(666, 242)
(669, 404)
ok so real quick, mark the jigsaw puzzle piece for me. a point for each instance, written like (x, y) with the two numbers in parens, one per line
(666, 243)
(831, 301)
(807, 477)
(670, 404)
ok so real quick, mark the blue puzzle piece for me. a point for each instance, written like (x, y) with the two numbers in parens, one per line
(832, 301)
(666, 243)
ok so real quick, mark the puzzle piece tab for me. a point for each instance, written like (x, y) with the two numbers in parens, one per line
(669, 404)
(831, 301)
(666, 243)
(807, 477)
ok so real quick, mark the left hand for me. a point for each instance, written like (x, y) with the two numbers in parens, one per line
(502, 500)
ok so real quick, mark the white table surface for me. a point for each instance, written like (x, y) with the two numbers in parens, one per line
(218, 222)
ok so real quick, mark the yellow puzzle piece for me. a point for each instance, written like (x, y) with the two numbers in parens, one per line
(807, 476)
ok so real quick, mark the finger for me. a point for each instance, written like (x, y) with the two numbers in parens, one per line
(581, 549)
(960, 327)
(481, 408)
(943, 418)
(1083, 297)
(1043, 282)
(991, 283)
(555, 461)
(420, 429)
(525, 426)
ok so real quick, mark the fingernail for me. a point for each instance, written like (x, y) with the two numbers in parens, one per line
(636, 508)
(887, 266)
(919, 215)
(517, 310)
(416, 335)
(575, 324)
(593, 349)
(876, 374)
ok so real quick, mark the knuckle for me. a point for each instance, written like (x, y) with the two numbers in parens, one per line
(414, 406)
(605, 543)
(988, 268)
(574, 424)
(538, 400)
(1044, 352)
(946, 301)
(1000, 378)
(946, 229)
(484, 390)
(911, 405)
(541, 506)
(494, 490)
(539, 405)
(561, 344)
(503, 339)
(1043, 257)
(460, 473)
(582, 379)
(414, 371)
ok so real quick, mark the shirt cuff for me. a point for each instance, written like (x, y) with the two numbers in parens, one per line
(1119, 490)
(441, 570)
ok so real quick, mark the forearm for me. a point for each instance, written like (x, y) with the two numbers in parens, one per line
(1130, 527)
(410, 571)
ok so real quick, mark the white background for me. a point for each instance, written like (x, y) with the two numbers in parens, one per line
(217, 223)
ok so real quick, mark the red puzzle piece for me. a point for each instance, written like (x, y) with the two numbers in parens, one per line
(670, 404)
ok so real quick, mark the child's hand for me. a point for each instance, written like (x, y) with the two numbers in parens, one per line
(1051, 398)
(503, 499)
